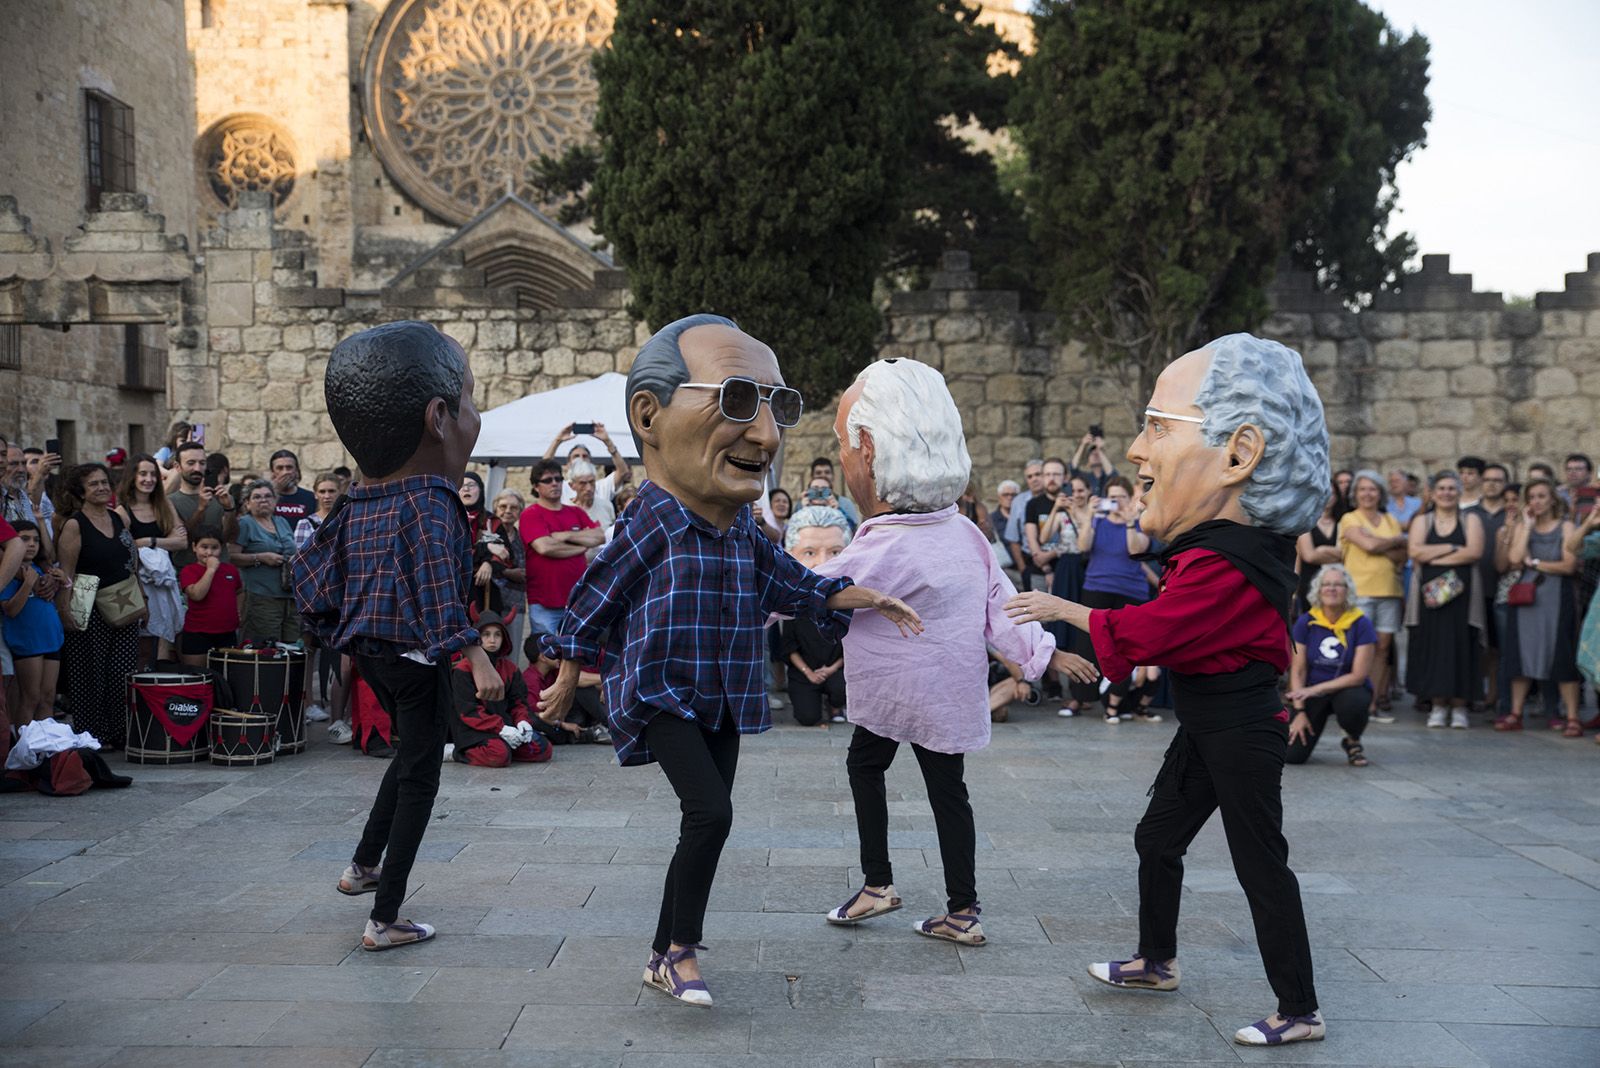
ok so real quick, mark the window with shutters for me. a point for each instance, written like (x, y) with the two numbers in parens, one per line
(108, 137)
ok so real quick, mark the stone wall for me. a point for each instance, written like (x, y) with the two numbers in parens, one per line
(1416, 380)
(271, 325)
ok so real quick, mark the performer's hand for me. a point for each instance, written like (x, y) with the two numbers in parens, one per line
(489, 685)
(556, 699)
(1074, 666)
(899, 613)
(1300, 728)
(1034, 608)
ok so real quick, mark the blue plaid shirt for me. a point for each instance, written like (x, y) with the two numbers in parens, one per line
(393, 565)
(677, 608)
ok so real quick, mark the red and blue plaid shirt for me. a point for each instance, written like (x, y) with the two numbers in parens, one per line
(678, 608)
(393, 566)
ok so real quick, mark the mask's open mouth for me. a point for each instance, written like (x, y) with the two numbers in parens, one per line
(754, 467)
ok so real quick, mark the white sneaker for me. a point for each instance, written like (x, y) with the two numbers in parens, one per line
(1458, 719)
(1438, 718)
(339, 732)
(838, 717)
(1066, 713)
(449, 751)
(778, 704)
(315, 713)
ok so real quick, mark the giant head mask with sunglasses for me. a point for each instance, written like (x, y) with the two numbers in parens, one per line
(1234, 430)
(707, 406)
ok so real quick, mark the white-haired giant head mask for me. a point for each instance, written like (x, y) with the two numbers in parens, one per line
(1233, 430)
(900, 438)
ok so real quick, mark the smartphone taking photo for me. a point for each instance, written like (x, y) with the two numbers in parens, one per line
(583, 428)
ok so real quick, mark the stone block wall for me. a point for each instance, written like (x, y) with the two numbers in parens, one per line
(1416, 380)
(271, 325)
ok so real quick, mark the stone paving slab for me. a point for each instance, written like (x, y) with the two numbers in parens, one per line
(191, 919)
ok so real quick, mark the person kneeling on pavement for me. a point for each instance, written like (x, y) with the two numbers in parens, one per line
(586, 719)
(491, 734)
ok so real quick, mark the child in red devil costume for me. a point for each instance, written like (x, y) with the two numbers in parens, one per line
(491, 734)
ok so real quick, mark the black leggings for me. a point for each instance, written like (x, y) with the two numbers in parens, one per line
(870, 756)
(1348, 706)
(1240, 771)
(700, 766)
(417, 698)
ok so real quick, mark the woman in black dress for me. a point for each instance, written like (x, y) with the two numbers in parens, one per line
(96, 660)
(1315, 549)
(1445, 613)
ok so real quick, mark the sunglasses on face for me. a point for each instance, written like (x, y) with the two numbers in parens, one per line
(740, 399)
(547, 480)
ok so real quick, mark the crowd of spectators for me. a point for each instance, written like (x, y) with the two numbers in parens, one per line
(1467, 590)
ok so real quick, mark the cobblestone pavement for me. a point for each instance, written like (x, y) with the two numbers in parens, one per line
(1452, 890)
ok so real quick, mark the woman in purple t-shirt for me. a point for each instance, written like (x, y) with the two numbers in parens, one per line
(1113, 578)
(1334, 645)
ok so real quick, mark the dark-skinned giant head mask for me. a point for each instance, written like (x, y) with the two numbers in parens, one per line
(707, 406)
(400, 395)
(1233, 430)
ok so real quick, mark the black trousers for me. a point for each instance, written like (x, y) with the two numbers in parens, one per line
(808, 696)
(417, 698)
(1238, 770)
(870, 756)
(1087, 692)
(700, 765)
(1348, 706)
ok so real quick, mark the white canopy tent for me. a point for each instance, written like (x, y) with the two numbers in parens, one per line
(516, 434)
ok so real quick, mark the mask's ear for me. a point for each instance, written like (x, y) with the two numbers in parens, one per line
(1245, 449)
(644, 410)
(433, 417)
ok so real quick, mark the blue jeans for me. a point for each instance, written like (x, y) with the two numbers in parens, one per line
(545, 619)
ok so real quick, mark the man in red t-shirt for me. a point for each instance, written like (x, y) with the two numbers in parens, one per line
(556, 536)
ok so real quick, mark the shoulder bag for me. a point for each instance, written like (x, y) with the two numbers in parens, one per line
(121, 602)
(1524, 591)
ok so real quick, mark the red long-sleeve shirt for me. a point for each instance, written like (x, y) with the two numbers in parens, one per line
(1207, 619)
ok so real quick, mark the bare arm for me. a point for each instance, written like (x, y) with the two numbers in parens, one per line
(1568, 564)
(1138, 541)
(564, 434)
(1085, 532)
(1573, 542)
(552, 549)
(1472, 551)
(1297, 668)
(586, 539)
(19, 600)
(68, 544)
(623, 473)
(1517, 555)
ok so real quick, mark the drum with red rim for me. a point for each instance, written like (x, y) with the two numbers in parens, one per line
(167, 717)
(268, 682)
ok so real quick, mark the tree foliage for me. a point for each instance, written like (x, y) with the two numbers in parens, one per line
(754, 160)
(1177, 150)
(954, 197)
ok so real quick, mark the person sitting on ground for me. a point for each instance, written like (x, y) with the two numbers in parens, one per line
(215, 594)
(492, 732)
(816, 662)
(1009, 686)
(1334, 646)
(585, 721)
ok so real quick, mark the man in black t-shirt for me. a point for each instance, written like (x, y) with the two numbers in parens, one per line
(294, 503)
(1040, 557)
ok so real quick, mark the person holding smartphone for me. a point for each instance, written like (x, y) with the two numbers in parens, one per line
(1113, 578)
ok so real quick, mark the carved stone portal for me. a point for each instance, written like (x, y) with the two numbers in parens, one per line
(462, 97)
(247, 154)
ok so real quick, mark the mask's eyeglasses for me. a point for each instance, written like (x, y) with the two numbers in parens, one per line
(1159, 414)
(740, 399)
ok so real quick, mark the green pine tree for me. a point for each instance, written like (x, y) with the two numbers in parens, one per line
(1176, 151)
(754, 162)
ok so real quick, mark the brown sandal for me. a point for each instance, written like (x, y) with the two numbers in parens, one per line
(1573, 729)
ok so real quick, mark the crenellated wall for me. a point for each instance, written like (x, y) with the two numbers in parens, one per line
(1416, 380)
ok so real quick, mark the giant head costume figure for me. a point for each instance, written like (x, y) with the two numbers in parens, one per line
(400, 398)
(900, 440)
(1234, 431)
(707, 406)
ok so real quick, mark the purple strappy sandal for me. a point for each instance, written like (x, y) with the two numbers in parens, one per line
(960, 927)
(1151, 975)
(662, 973)
(886, 902)
(1262, 1033)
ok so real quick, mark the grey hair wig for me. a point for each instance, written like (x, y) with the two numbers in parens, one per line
(920, 461)
(814, 515)
(1324, 573)
(659, 366)
(1252, 380)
